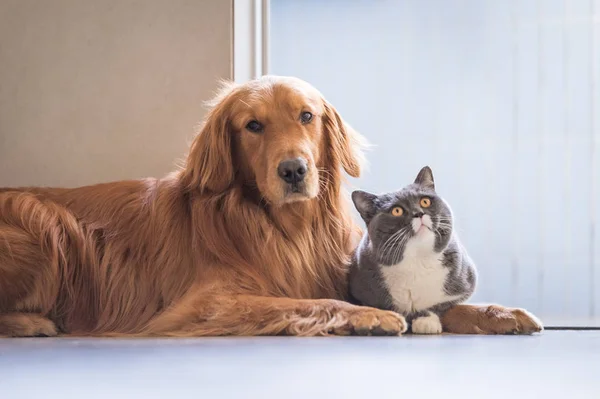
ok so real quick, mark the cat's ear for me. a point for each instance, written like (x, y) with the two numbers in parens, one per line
(365, 204)
(425, 178)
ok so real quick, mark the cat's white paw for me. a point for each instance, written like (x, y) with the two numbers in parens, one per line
(427, 325)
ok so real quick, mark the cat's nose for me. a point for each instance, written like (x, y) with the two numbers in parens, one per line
(418, 214)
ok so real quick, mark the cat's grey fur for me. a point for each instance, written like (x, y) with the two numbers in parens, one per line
(418, 271)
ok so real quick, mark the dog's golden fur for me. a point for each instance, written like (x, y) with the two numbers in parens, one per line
(216, 248)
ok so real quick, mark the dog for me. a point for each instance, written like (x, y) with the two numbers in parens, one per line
(251, 236)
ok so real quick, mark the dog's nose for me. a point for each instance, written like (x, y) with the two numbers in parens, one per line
(292, 170)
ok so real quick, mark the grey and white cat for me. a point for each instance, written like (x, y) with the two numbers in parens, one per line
(409, 259)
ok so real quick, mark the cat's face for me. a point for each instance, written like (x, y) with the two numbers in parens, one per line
(414, 215)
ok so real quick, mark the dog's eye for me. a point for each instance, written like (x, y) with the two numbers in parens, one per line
(254, 126)
(306, 117)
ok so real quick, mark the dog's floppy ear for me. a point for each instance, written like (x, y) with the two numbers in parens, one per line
(346, 144)
(209, 166)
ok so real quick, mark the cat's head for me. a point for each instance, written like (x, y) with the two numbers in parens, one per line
(416, 215)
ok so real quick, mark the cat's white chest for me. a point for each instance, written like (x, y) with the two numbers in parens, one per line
(417, 282)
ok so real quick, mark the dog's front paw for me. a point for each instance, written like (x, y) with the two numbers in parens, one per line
(492, 319)
(502, 320)
(526, 323)
(429, 324)
(371, 321)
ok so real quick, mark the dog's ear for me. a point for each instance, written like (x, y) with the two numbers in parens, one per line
(209, 165)
(346, 144)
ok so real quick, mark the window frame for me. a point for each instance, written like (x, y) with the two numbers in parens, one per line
(250, 58)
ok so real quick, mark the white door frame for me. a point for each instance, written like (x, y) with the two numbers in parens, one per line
(250, 39)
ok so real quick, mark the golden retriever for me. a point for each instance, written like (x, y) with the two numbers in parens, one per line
(252, 236)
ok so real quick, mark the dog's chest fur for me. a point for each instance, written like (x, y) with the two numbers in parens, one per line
(418, 281)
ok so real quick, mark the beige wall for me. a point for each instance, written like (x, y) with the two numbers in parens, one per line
(100, 90)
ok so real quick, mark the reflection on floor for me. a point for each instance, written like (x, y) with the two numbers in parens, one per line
(562, 364)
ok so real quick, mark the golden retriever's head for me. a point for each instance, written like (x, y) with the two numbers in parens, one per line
(275, 133)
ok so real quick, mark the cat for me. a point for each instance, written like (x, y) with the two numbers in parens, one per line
(409, 259)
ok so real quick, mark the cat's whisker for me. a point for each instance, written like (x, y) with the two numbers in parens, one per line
(444, 225)
(445, 222)
(394, 255)
(398, 243)
(391, 242)
(443, 228)
(393, 237)
(399, 247)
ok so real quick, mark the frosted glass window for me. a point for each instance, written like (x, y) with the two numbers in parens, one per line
(501, 98)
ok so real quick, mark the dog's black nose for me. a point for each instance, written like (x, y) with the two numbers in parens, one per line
(292, 170)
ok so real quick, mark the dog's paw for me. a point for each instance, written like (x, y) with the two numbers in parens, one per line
(502, 320)
(526, 323)
(26, 325)
(370, 321)
(429, 324)
(492, 319)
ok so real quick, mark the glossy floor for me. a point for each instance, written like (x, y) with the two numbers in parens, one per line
(563, 364)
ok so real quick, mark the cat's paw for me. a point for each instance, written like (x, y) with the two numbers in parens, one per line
(371, 321)
(429, 324)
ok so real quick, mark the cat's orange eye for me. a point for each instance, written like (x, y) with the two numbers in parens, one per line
(425, 202)
(397, 211)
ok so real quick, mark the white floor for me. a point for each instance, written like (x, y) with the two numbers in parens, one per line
(555, 364)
